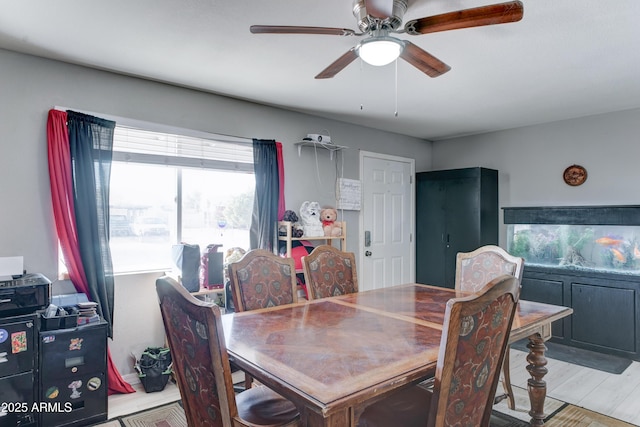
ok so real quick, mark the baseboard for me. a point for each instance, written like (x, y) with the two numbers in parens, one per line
(132, 378)
(238, 377)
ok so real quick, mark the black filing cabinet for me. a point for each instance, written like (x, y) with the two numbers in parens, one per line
(18, 370)
(73, 366)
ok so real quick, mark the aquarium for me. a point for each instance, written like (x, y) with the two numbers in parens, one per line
(605, 238)
(599, 247)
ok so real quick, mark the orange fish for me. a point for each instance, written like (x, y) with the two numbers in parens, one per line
(618, 255)
(608, 241)
(636, 252)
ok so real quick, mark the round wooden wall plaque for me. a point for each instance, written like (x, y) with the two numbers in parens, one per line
(575, 175)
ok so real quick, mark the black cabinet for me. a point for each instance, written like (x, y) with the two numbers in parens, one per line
(606, 307)
(73, 366)
(548, 290)
(596, 312)
(456, 211)
(18, 370)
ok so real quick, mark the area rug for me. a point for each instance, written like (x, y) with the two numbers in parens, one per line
(574, 416)
(114, 423)
(521, 396)
(172, 415)
(578, 356)
(503, 420)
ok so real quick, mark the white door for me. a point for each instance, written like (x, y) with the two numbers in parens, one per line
(387, 221)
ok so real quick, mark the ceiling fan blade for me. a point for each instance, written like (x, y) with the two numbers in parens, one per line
(338, 65)
(381, 9)
(423, 61)
(285, 29)
(476, 17)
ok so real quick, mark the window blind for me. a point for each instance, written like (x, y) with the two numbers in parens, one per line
(144, 146)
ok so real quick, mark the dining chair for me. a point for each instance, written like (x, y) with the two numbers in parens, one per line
(261, 279)
(329, 272)
(474, 270)
(474, 340)
(200, 360)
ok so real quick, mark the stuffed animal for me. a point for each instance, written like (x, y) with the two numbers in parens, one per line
(331, 227)
(296, 228)
(233, 254)
(290, 216)
(310, 215)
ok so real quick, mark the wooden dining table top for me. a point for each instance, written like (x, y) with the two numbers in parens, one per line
(335, 355)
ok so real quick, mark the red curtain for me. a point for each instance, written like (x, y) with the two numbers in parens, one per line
(62, 196)
(281, 204)
(63, 212)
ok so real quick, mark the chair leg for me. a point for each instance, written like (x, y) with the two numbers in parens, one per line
(506, 384)
(506, 381)
(248, 381)
(246, 384)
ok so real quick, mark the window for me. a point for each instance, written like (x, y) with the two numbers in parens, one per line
(168, 188)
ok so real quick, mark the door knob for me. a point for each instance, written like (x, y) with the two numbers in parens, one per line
(367, 253)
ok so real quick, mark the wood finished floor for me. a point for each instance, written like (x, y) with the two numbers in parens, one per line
(616, 396)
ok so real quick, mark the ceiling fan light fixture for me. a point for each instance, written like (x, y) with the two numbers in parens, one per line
(380, 51)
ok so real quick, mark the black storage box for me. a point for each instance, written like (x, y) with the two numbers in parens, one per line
(59, 322)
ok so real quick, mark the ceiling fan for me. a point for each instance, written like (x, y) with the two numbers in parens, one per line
(380, 18)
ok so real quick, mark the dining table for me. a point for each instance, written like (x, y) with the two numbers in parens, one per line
(333, 357)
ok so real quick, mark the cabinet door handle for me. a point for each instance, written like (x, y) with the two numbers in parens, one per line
(4, 300)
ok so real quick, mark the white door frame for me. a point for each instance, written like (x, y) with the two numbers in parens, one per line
(412, 209)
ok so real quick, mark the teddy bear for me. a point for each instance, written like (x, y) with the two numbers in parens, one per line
(310, 215)
(331, 227)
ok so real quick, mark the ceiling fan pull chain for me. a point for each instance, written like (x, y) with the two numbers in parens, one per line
(396, 112)
(361, 92)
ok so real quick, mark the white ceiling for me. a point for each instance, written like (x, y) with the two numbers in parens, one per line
(565, 59)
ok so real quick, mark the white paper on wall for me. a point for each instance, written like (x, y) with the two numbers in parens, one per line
(349, 194)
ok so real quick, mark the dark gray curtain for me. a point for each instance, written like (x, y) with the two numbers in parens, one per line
(265, 204)
(91, 145)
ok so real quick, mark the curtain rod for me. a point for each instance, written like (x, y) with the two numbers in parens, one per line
(158, 127)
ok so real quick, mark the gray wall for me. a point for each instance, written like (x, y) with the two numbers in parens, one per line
(531, 160)
(30, 86)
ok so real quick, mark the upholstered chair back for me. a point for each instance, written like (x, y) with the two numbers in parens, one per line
(199, 356)
(261, 279)
(475, 269)
(201, 365)
(329, 272)
(474, 340)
